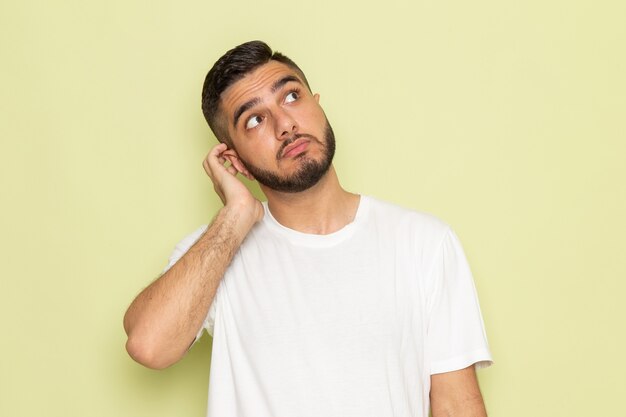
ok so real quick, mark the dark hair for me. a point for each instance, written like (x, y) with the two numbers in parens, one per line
(230, 68)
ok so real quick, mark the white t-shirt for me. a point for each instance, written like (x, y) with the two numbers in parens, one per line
(347, 324)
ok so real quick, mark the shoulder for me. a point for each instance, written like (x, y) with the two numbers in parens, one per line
(401, 219)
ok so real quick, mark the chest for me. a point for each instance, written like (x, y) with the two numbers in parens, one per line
(278, 292)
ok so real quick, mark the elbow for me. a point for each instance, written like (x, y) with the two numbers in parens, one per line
(147, 355)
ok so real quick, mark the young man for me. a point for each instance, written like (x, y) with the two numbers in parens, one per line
(321, 302)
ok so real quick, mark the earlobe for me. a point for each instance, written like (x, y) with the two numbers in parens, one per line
(235, 161)
(317, 97)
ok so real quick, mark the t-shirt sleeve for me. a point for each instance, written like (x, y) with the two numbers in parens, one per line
(179, 250)
(456, 335)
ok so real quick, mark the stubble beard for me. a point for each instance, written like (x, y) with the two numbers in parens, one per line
(308, 174)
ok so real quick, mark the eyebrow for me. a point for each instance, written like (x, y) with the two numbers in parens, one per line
(244, 108)
(256, 101)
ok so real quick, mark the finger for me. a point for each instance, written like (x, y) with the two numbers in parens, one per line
(231, 169)
(219, 148)
(239, 166)
(207, 169)
(215, 152)
(210, 171)
(214, 159)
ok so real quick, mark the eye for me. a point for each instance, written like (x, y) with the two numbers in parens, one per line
(253, 122)
(291, 97)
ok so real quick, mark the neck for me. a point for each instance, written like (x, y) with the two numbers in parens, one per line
(322, 209)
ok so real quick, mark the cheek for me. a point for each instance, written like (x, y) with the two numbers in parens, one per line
(253, 142)
(315, 117)
(263, 133)
(260, 149)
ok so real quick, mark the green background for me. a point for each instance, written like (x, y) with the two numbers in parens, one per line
(504, 118)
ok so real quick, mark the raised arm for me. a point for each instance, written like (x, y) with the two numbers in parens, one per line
(163, 320)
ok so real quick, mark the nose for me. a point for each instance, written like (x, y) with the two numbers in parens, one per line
(286, 125)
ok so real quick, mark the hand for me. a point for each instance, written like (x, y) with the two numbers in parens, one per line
(228, 187)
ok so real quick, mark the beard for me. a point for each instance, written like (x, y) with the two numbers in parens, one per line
(308, 174)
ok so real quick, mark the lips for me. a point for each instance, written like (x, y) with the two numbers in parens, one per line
(297, 147)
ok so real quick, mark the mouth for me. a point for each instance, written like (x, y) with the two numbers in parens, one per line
(295, 148)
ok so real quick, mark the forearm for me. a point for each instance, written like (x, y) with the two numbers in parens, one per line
(163, 320)
(456, 394)
(469, 407)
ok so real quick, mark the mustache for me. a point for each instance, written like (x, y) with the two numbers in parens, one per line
(291, 140)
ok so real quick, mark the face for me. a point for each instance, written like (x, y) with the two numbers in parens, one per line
(278, 129)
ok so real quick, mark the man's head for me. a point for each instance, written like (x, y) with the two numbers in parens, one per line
(230, 68)
(259, 103)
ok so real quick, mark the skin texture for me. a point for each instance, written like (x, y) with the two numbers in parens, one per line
(324, 207)
(310, 171)
(280, 133)
(163, 320)
(455, 394)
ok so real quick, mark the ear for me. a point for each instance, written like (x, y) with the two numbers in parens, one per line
(317, 97)
(233, 158)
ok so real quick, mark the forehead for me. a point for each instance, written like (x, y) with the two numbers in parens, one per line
(254, 84)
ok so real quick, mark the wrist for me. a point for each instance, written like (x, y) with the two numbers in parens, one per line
(242, 216)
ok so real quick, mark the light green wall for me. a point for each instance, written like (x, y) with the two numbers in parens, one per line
(506, 119)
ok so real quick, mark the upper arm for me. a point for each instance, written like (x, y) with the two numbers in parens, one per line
(456, 394)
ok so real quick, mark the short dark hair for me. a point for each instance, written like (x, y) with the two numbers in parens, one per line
(230, 68)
